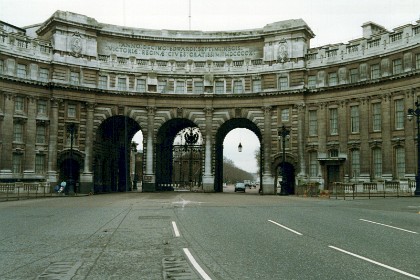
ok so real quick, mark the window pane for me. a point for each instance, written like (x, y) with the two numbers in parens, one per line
(313, 123)
(21, 71)
(141, 85)
(397, 66)
(122, 84)
(161, 87)
(237, 87)
(17, 163)
(180, 87)
(400, 162)
(312, 82)
(44, 74)
(18, 132)
(40, 164)
(377, 119)
(375, 71)
(256, 85)
(103, 82)
(40, 134)
(355, 163)
(285, 115)
(283, 83)
(354, 119)
(399, 114)
(377, 163)
(333, 121)
(332, 79)
(71, 111)
(219, 87)
(74, 78)
(313, 164)
(198, 87)
(19, 104)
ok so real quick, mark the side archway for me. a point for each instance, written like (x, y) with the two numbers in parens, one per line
(112, 154)
(224, 129)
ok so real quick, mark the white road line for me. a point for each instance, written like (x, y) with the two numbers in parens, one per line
(176, 231)
(375, 262)
(289, 229)
(389, 226)
(196, 265)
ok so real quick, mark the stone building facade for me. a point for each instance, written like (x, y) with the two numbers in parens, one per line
(345, 104)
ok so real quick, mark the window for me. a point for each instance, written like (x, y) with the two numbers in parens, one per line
(355, 163)
(333, 121)
(198, 87)
(332, 79)
(376, 117)
(354, 119)
(71, 111)
(40, 164)
(238, 87)
(334, 153)
(283, 83)
(141, 85)
(161, 86)
(219, 87)
(122, 84)
(40, 134)
(256, 85)
(354, 75)
(313, 123)
(375, 72)
(17, 163)
(400, 162)
(313, 164)
(417, 62)
(312, 81)
(74, 78)
(397, 66)
(180, 87)
(41, 107)
(21, 70)
(1, 66)
(285, 115)
(377, 162)
(399, 114)
(18, 132)
(19, 105)
(44, 74)
(103, 82)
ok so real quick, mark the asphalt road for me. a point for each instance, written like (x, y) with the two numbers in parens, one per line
(180, 235)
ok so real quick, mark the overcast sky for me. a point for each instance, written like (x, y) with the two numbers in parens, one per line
(332, 21)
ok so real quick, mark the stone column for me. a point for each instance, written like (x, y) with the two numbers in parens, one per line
(387, 126)
(52, 143)
(343, 135)
(410, 137)
(149, 178)
(268, 183)
(29, 168)
(7, 138)
(365, 152)
(208, 176)
(86, 178)
(301, 139)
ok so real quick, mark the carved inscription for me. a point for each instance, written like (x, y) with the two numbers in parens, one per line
(185, 52)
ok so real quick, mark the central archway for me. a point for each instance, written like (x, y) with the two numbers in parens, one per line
(224, 129)
(168, 174)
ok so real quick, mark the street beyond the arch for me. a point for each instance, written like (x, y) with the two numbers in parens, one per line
(184, 235)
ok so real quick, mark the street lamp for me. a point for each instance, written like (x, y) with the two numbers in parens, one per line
(71, 128)
(283, 133)
(410, 115)
(240, 147)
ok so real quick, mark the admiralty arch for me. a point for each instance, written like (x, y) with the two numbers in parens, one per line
(74, 91)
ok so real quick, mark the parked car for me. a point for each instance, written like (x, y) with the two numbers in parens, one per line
(239, 187)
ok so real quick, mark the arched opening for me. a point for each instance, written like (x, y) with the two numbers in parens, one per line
(285, 170)
(112, 150)
(220, 136)
(179, 156)
(70, 163)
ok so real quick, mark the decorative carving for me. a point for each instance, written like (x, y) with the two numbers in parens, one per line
(282, 52)
(76, 45)
(179, 112)
(208, 111)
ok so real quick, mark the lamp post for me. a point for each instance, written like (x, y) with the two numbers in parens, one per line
(71, 128)
(411, 113)
(283, 133)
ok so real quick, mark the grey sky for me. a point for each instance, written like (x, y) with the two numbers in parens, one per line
(332, 21)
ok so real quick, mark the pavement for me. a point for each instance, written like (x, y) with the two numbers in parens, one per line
(132, 235)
